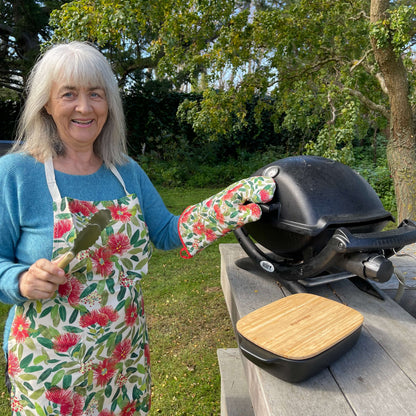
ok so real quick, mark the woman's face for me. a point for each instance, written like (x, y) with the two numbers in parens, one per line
(79, 113)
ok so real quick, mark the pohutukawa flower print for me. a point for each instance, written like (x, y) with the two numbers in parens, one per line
(231, 193)
(210, 235)
(101, 317)
(147, 353)
(64, 342)
(92, 344)
(235, 206)
(131, 315)
(71, 403)
(122, 350)
(61, 227)
(264, 196)
(199, 228)
(106, 413)
(118, 243)
(120, 213)
(219, 214)
(82, 207)
(101, 261)
(13, 364)
(71, 289)
(129, 409)
(104, 371)
(20, 328)
(255, 210)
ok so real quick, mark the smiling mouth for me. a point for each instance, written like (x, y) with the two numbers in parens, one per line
(83, 123)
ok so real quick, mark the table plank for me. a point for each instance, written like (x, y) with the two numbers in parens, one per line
(376, 377)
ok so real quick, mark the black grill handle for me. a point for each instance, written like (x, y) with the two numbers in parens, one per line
(391, 239)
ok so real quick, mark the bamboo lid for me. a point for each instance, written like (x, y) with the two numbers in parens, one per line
(299, 326)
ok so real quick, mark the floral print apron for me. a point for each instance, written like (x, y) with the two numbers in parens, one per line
(85, 351)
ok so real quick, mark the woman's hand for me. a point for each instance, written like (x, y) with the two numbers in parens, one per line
(41, 280)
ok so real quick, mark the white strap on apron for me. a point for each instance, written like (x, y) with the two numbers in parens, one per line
(53, 187)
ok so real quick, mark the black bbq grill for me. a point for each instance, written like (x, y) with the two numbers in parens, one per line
(324, 223)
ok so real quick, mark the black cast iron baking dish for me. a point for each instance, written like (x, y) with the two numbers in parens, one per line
(299, 335)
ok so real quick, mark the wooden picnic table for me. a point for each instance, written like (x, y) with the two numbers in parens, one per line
(376, 377)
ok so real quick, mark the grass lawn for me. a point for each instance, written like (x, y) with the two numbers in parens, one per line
(188, 321)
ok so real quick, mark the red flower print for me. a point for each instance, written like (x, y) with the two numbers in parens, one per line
(147, 353)
(71, 403)
(64, 342)
(78, 405)
(71, 289)
(13, 364)
(264, 196)
(101, 263)
(208, 203)
(219, 215)
(131, 315)
(20, 328)
(61, 227)
(198, 228)
(120, 213)
(104, 371)
(118, 243)
(89, 319)
(255, 210)
(106, 413)
(122, 350)
(109, 312)
(129, 409)
(185, 215)
(231, 192)
(210, 235)
(82, 207)
(100, 317)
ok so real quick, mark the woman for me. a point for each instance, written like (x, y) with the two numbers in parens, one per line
(76, 339)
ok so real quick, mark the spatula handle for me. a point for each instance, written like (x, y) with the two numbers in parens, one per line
(65, 259)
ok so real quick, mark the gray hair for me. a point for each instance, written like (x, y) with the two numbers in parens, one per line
(82, 64)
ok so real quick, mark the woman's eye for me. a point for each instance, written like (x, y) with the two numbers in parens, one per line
(96, 94)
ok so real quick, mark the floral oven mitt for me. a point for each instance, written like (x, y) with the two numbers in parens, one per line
(203, 223)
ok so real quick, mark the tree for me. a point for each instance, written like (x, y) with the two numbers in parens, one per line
(23, 27)
(333, 68)
(142, 38)
(392, 31)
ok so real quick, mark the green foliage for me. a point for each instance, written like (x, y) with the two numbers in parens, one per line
(396, 29)
(335, 140)
(372, 164)
(152, 125)
(308, 63)
(23, 27)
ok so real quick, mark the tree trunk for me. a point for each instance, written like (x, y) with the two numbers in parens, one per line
(401, 147)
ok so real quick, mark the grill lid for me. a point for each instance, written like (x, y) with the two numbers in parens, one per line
(315, 193)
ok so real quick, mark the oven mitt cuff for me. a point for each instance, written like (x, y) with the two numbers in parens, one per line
(201, 224)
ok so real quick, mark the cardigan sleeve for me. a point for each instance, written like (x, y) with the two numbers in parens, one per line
(10, 226)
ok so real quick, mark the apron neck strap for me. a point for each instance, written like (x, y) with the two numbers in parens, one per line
(53, 187)
(116, 173)
(50, 179)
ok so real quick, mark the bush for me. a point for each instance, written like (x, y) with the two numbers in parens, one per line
(374, 168)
